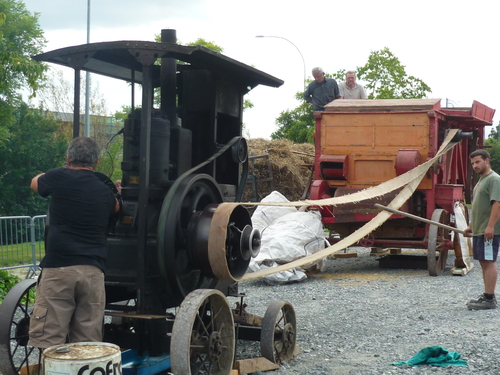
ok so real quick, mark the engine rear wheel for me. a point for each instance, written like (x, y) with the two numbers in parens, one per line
(15, 311)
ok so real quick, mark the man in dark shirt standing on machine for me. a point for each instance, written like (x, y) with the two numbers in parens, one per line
(70, 295)
(322, 90)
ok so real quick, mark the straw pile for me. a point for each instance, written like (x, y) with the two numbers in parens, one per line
(287, 161)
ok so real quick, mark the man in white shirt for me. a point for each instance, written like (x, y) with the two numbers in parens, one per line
(350, 89)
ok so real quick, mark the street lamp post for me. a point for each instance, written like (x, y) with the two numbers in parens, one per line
(297, 48)
(86, 131)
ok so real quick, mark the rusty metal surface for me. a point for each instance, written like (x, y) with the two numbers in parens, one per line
(203, 337)
(279, 332)
(245, 318)
(136, 316)
(14, 324)
(82, 351)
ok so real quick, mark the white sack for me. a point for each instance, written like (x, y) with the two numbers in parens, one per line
(287, 235)
(266, 215)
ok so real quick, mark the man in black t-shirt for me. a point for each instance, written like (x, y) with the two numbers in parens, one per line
(70, 294)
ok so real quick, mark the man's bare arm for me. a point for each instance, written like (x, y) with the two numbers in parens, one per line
(34, 182)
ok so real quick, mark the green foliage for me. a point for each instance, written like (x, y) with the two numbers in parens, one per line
(16, 254)
(20, 37)
(111, 158)
(33, 147)
(339, 75)
(7, 281)
(385, 78)
(207, 44)
(493, 147)
(112, 154)
(296, 125)
(2, 21)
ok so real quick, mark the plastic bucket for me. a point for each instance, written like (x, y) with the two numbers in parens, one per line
(82, 358)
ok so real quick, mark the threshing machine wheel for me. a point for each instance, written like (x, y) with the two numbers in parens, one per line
(279, 332)
(15, 312)
(437, 253)
(192, 196)
(203, 337)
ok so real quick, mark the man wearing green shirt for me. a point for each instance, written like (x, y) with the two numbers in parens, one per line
(485, 227)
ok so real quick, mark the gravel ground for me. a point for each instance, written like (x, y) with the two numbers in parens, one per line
(357, 318)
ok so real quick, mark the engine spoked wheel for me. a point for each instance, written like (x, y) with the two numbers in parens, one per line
(15, 312)
(279, 332)
(203, 337)
(181, 206)
(437, 253)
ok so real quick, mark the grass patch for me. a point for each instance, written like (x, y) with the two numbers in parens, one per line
(19, 254)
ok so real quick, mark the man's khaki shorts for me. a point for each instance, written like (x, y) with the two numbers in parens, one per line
(69, 306)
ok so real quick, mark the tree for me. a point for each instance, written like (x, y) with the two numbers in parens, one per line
(112, 153)
(20, 37)
(296, 125)
(33, 147)
(385, 78)
(56, 94)
(493, 144)
(207, 44)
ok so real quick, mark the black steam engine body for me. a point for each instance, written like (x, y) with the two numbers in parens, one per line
(181, 238)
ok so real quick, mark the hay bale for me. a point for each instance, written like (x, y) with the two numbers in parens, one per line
(288, 160)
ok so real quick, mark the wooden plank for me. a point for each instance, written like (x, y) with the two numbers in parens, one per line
(383, 105)
(296, 350)
(247, 366)
(461, 271)
(33, 370)
(380, 254)
(345, 255)
(235, 372)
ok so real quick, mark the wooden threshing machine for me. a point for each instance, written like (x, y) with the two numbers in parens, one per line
(363, 143)
(181, 238)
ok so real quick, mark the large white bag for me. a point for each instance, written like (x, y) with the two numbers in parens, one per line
(287, 235)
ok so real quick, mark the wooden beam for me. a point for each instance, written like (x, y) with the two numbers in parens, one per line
(247, 366)
(345, 255)
(394, 211)
(31, 370)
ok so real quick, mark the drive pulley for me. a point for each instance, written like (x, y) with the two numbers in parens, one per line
(202, 240)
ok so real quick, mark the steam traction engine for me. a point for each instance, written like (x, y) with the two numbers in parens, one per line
(362, 143)
(180, 239)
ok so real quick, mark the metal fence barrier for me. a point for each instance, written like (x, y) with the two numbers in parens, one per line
(21, 242)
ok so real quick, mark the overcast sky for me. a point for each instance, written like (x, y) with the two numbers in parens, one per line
(451, 45)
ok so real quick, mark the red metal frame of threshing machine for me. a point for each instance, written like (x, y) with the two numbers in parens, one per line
(362, 143)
